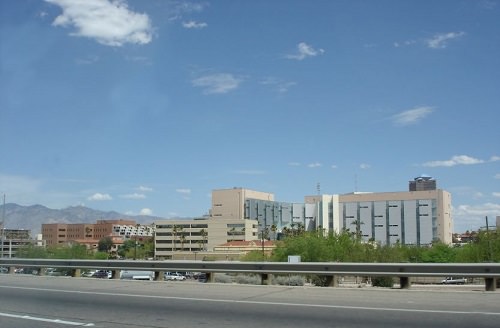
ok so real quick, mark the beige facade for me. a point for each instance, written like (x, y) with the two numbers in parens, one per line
(230, 203)
(202, 235)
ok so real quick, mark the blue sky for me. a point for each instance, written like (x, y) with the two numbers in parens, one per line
(146, 106)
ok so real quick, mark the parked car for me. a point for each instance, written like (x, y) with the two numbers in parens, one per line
(454, 281)
(137, 275)
(102, 274)
(174, 276)
(4, 270)
(202, 277)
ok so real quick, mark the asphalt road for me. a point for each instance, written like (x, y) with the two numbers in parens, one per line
(33, 301)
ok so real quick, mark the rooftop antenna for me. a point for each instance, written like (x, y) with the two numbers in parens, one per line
(356, 182)
(318, 188)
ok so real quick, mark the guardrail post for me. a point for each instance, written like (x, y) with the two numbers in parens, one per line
(404, 282)
(12, 270)
(115, 274)
(332, 281)
(210, 276)
(159, 275)
(491, 284)
(76, 273)
(265, 279)
(42, 271)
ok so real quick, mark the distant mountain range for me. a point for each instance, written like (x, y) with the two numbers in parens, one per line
(32, 217)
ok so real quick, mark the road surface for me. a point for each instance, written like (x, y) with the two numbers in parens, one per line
(37, 301)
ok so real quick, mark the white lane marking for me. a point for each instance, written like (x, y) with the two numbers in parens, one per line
(346, 307)
(62, 322)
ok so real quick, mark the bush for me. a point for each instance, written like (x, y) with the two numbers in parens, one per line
(382, 282)
(223, 278)
(248, 280)
(289, 280)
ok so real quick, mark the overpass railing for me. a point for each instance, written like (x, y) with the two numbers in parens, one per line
(489, 271)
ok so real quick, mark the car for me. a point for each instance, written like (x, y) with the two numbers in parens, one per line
(453, 281)
(102, 274)
(137, 275)
(4, 270)
(174, 276)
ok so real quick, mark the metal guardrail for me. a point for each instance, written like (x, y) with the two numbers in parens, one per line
(489, 271)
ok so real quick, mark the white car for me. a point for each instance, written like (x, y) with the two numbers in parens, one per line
(174, 276)
(137, 275)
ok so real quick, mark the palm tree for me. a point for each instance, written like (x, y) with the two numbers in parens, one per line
(174, 231)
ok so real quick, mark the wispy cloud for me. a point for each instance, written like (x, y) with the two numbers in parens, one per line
(87, 60)
(293, 164)
(17, 184)
(497, 176)
(145, 189)
(133, 196)
(314, 165)
(110, 23)
(496, 194)
(194, 24)
(217, 83)
(455, 160)
(411, 116)
(304, 51)
(441, 40)
(333, 166)
(278, 84)
(184, 191)
(364, 166)
(100, 197)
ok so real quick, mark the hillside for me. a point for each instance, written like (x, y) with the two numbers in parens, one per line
(32, 217)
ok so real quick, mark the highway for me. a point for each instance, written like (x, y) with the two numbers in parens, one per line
(38, 301)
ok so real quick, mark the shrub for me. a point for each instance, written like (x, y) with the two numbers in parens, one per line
(223, 278)
(289, 280)
(382, 282)
(248, 280)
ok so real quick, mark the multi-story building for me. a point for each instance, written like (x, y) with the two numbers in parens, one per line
(12, 240)
(91, 233)
(411, 218)
(200, 235)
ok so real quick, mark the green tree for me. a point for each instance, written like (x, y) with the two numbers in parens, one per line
(105, 244)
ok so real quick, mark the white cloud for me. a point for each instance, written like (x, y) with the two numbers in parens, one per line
(364, 166)
(146, 211)
(497, 176)
(440, 40)
(333, 166)
(193, 24)
(133, 196)
(411, 116)
(455, 160)
(183, 191)
(144, 189)
(110, 23)
(217, 83)
(314, 165)
(304, 50)
(496, 194)
(100, 197)
(495, 158)
(471, 217)
(278, 84)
